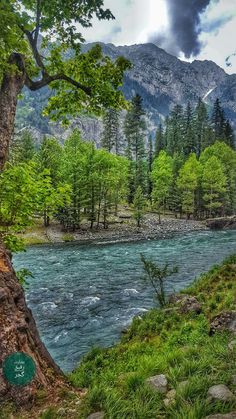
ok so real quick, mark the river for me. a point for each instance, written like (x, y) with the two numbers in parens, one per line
(84, 295)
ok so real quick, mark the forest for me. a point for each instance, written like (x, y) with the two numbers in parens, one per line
(188, 170)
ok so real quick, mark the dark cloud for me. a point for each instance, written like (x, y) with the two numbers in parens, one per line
(228, 59)
(185, 27)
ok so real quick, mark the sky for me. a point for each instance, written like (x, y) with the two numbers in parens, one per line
(188, 29)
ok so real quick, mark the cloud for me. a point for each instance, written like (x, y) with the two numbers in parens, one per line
(228, 60)
(216, 24)
(184, 27)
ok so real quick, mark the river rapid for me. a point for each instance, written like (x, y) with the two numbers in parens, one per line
(85, 295)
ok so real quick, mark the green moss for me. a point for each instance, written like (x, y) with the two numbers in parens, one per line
(68, 237)
(165, 342)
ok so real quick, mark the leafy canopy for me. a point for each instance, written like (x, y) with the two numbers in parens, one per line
(47, 37)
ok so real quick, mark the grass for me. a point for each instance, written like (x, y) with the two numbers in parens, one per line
(161, 342)
(165, 342)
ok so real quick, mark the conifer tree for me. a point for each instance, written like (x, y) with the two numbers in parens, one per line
(218, 120)
(175, 131)
(150, 161)
(201, 125)
(135, 131)
(111, 137)
(189, 139)
(159, 140)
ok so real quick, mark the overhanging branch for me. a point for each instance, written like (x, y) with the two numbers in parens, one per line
(47, 79)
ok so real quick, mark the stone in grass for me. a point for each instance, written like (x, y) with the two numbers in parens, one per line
(224, 321)
(170, 398)
(97, 415)
(231, 415)
(220, 392)
(232, 345)
(187, 303)
(158, 383)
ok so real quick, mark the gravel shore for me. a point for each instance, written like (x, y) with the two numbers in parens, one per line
(123, 230)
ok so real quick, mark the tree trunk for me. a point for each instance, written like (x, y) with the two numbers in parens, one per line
(12, 85)
(18, 332)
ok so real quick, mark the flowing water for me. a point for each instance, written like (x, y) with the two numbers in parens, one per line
(84, 295)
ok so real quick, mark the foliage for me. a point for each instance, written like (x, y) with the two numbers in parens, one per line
(22, 276)
(157, 275)
(80, 80)
(162, 179)
(139, 206)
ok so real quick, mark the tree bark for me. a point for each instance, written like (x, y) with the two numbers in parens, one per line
(12, 85)
(18, 331)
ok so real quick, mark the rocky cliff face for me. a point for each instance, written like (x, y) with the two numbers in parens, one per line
(160, 78)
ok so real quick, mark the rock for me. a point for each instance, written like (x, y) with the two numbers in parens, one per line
(232, 345)
(168, 402)
(220, 392)
(224, 321)
(231, 415)
(226, 223)
(187, 303)
(158, 383)
(97, 415)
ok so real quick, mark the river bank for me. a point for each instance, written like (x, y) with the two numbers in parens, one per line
(121, 229)
(173, 363)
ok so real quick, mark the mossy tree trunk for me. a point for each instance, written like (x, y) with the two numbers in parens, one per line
(18, 331)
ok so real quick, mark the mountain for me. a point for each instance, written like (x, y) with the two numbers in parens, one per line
(160, 78)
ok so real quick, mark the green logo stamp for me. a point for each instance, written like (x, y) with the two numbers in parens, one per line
(19, 369)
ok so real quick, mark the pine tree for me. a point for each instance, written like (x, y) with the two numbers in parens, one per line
(150, 161)
(175, 131)
(229, 135)
(111, 137)
(159, 140)
(200, 124)
(218, 120)
(135, 131)
(189, 139)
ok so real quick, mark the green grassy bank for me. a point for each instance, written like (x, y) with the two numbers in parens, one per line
(170, 343)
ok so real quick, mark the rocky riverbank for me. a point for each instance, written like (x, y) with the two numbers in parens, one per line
(121, 229)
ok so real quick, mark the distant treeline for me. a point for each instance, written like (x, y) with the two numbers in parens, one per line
(189, 169)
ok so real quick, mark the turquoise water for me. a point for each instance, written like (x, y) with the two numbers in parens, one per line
(84, 295)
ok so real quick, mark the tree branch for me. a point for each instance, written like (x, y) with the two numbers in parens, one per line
(37, 27)
(47, 79)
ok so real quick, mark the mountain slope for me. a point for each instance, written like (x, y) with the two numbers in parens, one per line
(160, 78)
